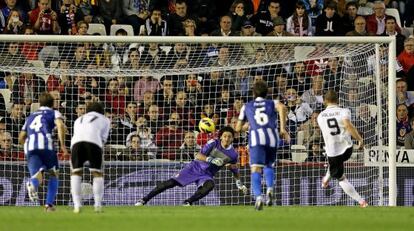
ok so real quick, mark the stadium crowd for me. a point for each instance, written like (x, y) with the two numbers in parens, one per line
(156, 118)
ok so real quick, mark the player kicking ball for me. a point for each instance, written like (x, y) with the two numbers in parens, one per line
(36, 135)
(212, 157)
(90, 133)
(337, 129)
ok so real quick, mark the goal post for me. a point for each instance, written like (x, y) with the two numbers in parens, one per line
(361, 59)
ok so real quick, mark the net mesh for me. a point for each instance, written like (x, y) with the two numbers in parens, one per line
(156, 93)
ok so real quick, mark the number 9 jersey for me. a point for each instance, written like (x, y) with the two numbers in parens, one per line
(336, 138)
(262, 117)
(39, 128)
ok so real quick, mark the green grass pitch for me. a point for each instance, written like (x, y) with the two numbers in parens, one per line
(197, 218)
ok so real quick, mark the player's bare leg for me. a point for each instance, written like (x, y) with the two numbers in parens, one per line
(75, 188)
(350, 191)
(98, 189)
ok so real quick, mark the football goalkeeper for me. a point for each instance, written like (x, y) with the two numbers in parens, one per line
(212, 157)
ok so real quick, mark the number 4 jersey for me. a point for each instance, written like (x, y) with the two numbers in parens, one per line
(39, 128)
(336, 138)
(262, 117)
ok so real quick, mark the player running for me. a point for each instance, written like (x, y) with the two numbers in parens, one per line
(212, 157)
(337, 129)
(36, 135)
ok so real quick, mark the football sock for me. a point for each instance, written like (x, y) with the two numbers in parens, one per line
(256, 183)
(98, 190)
(201, 191)
(160, 188)
(52, 189)
(75, 185)
(35, 182)
(350, 190)
(269, 176)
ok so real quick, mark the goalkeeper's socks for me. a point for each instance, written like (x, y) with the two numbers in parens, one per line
(256, 183)
(98, 190)
(269, 175)
(350, 190)
(35, 182)
(52, 189)
(75, 185)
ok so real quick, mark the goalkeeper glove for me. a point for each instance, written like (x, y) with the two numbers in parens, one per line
(216, 161)
(241, 187)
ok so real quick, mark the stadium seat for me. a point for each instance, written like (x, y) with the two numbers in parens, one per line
(365, 11)
(299, 153)
(97, 28)
(394, 12)
(300, 137)
(128, 28)
(6, 95)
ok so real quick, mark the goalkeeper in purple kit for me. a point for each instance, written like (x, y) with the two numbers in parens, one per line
(212, 157)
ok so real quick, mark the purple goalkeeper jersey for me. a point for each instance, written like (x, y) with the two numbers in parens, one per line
(199, 171)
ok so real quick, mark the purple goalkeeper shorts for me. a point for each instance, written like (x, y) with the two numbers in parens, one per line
(192, 172)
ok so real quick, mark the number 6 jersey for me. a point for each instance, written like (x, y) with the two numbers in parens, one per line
(262, 117)
(336, 138)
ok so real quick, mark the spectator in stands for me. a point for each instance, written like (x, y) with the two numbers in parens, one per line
(185, 111)
(189, 148)
(179, 52)
(154, 25)
(242, 82)
(150, 55)
(366, 124)
(234, 111)
(376, 21)
(145, 103)
(404, 97)
(406, 57)
(43, 19)
(14, 23)
(214, 83)
(27, 88)
(12, 56)
(175, 20)
(314, 9)
(223, 57)
(360, 28)
(409, 138)
(280, 85)
(130, 117)
(190, 27)
(279, 28)
(299, 23)
(408, 17)
(311, 129)
(82, 28)
(133, 61)
(263, 21)
(164, 97)
(145, 84)
(87, 13)
(237, 14)
(170, 137)
(138, 152)
(225, 28)
(154, 118)
(135, 13)
(403, 125)
(118, 133)
(223, 105)
(332, 74)
(146, 136)
(298, 111)
(7, 151)
(66, 18)
(206, 14)
(299, 80)
(315, 151)
(329, 23)
(30, 50)
(15, 120)
(118, 51)
(194, 91)
(10, 6)
(314, 96)
(114, 99)
(391, 30)
(349, 17)
(110, 12)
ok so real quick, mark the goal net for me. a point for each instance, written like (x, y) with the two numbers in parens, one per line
(156, 90)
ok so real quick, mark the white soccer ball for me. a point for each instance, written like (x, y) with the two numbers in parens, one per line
(86, 189)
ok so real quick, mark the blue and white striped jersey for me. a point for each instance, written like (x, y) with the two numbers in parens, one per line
(262, 117)
(39, 127)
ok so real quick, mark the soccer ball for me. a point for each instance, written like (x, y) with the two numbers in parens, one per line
(206, 125)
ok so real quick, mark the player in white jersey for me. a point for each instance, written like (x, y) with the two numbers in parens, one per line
(90, 133)
(337, 129)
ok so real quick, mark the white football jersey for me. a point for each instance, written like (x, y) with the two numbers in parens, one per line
(336, 138)
(92, 127)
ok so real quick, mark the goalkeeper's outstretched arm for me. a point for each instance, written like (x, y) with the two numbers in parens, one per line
(236, 175)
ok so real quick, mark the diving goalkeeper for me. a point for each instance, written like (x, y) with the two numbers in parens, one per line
(212, 157)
